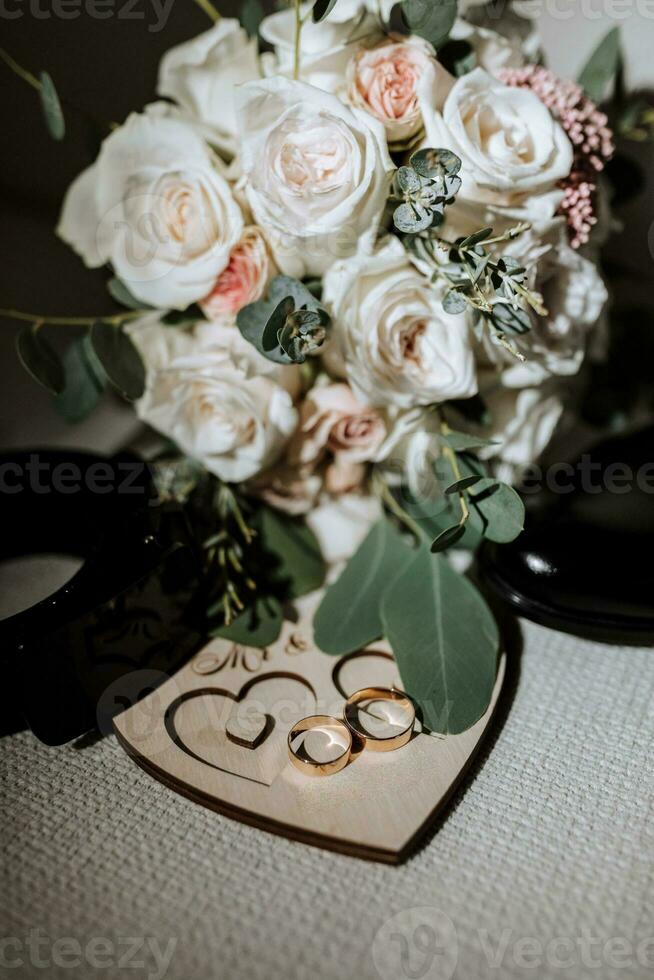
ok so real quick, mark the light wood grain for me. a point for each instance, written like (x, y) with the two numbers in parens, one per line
(192, 733)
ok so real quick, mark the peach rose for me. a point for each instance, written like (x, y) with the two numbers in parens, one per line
(244, 279)
(383, 80)
(333, 421)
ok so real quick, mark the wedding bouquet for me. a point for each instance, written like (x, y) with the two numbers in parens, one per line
(357, 273)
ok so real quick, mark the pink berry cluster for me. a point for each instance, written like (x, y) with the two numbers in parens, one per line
(588, 131)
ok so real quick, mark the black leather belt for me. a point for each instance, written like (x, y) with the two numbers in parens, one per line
(126, 620)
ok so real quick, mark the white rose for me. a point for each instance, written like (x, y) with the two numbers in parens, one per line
(200, 76)
(326, 47)
(523, 421)
(399, 346)
(492, 51)
(317, 172)
(510, 145)
(383, 81)
(575, 295)
(155, 206)
(215, 397)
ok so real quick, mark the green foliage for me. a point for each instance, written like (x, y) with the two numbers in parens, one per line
(288, 325)
(349, 615)
(431, 19)
(444, 640)
(39, 359)
(119, 358)
(252, 13)
(85, 381)
(258, 626)
(321, 9)
(425, 187)
(501, 509)
(52, 111)
(119, 291)
(300, 565)
(602, 66)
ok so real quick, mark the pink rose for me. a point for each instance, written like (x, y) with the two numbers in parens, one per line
(383, 80)
(243, 280)
(333, 421)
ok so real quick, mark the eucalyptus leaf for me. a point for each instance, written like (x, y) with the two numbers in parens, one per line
(348, 617)
(463, 484)
(258, 626)
(463, 442)
(271, 331)
(444, 640)
(513, 319)
(435, 162)
(252, 13)
(119, 358)
(85, 381)
(119, 291)
(408, 180)
(411, 218)
(454, 302)
(501, 508)
(431, 19)
(301, 567)
(476, 238)
(602, 66)
(54, 116)
(447, 537)
(39, 359)
(321, 9)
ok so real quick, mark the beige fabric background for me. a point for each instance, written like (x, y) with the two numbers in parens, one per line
(543, 866)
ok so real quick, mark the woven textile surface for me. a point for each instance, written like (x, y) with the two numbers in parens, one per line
(543, 865)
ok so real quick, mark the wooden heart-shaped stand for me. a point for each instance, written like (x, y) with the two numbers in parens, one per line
(216, 732)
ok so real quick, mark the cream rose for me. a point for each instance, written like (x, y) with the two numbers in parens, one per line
(216, 397)
(317, 173)
(383, 81)
(398, 345)
(510, 145)
(200, 76)
(333, 419)
(492, 51)
(243, 280)
(155, 206)
(523, 421)
(326, 47)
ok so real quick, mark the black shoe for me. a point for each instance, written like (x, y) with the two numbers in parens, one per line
(585, 562)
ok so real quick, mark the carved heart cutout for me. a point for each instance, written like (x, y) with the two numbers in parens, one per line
(204, 725)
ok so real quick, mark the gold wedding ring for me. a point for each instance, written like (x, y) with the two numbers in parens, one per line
(325, 723)
(379, 743)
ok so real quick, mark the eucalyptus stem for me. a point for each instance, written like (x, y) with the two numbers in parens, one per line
(450, 455)
(298, 34)
(27, 76)
(209, 10)
(383, 491)
(71, 321)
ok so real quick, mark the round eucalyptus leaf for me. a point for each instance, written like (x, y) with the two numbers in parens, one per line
(501, 508)
(513, 319)
(119, 358)
(54, 116)
(408, 180)
(430, 162)
(448, 537)
(411, 218)
(39, 359)
(454, 302)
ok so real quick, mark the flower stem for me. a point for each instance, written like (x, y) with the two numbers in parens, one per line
(209, 10)
(450, 455)
(298, 34)
(21, 72)
(71, 321)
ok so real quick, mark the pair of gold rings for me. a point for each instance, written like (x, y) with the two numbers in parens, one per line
(344, 731)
